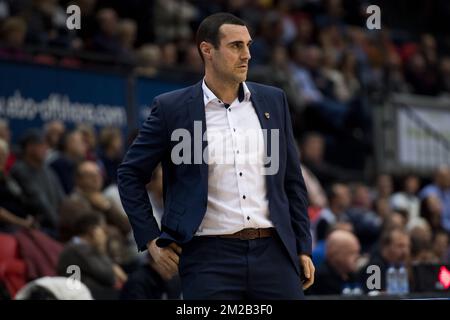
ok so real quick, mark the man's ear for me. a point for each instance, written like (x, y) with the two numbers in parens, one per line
(205, 48)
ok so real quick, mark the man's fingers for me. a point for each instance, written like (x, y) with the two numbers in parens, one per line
(173, 267)
(308, 283)
(308, 265)
(173, 256)
(306, 270)
(175, 247)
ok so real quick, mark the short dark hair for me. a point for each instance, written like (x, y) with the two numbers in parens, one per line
(31, 136)
(208, 29)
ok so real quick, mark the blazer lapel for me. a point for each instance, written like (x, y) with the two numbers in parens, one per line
(196, 107)
(263, 111)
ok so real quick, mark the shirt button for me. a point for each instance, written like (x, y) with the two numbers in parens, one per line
(234, 129)
(240, 174)
(229, 109)
(243, 197)
(237, 151)
(248, 218)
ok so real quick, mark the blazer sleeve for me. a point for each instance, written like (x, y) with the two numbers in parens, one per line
(135, 172)
(296, 189)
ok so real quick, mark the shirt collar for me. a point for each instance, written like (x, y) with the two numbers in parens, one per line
(208, 96)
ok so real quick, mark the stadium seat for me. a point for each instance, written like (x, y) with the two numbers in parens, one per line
(12, 268)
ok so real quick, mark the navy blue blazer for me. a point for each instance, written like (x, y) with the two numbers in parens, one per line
(186, 185)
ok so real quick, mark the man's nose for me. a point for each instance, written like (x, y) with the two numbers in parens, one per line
(246, 54)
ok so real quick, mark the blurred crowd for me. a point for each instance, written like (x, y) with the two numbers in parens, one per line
(60, 208)
(58, 186)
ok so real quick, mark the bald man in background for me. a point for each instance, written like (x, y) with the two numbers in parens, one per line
(341, 264)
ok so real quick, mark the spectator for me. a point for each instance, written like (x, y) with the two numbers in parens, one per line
(341, 265)
(88, 186)
(382, 208)
(315, 88)
(407, 199)
(148, 59)
(13, 34)
(278, 73)
(384, 186)
(14, 209)
(88, 251)
(394, 77)
(169, 55)
(440, 188)
(111, 152)
(316, 194)
(421, 244)
(268, 37)
(90, 140)
(172, 18)
(126, 33)
(339, 199)
(394, 250)
(312, 149)
(419, 75)
(53, 132)
(431, 211)
(367, 224)
(106, 40)
(47, 24)
(440, 245)
(40, 185)
(72, 152)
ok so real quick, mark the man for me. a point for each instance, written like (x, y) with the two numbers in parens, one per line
(38, 181)
(234, 232)
(341, 264)
(335, 215)
(394, 250)
(53, 132)
(73, 152)
(441, 189)
(88, 251)
(14, 207)
(87, 196)
(340, 199)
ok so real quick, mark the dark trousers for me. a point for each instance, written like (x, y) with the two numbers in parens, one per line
(218, 268)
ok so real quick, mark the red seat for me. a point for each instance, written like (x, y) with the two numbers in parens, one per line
(12, 268)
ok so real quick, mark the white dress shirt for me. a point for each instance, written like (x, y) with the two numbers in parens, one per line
(237, 194)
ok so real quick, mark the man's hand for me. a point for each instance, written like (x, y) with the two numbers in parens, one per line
(166, 259)
(308, 270)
